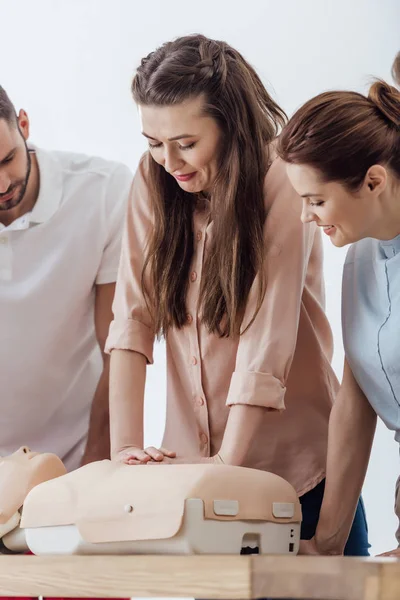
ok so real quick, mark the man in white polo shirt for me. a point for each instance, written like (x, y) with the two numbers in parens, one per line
(61, 216)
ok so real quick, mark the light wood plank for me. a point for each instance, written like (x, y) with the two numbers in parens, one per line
(219, 577)
(316, 578)
(390, 586)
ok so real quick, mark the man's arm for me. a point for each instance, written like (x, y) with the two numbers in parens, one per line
(98, 442)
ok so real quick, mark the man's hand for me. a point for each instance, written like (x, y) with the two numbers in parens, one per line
(98, 441)
(392, 553)
(140, 456)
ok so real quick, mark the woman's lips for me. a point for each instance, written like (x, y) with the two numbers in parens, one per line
(185, 177)
(329, 229)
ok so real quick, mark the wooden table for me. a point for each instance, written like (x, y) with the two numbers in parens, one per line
(224, 577)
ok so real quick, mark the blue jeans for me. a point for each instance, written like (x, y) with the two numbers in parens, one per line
(357, 544)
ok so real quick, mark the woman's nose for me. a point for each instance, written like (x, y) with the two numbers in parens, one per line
(307, 215)
(172, 162)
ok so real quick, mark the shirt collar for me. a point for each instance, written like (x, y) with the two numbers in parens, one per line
(390, 247)
(50, 186)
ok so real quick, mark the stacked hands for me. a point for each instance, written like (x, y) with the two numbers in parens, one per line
(135, 455)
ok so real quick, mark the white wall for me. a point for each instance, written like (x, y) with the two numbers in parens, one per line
(69, 64)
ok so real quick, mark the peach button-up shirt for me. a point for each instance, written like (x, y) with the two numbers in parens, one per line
(282, 362)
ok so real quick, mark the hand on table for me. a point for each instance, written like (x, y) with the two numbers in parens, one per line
(309, 547)
(392, 553)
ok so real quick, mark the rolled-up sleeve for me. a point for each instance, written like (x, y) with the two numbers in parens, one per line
(267, 346)
(132, 326)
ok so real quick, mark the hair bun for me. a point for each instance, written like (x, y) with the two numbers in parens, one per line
(386, 98)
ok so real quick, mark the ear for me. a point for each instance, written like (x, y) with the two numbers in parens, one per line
(23, 124)
(375, 180)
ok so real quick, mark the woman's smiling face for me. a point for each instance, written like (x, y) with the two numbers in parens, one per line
(345, 216)
(185, 141)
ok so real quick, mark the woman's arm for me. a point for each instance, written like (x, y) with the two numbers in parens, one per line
(127, 383)
(351, 432)
(241, 428)
(131, 335)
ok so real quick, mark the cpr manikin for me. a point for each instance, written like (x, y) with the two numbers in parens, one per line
(19, 474)
(114, 508)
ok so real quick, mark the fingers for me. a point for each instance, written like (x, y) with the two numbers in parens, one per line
(134, 456)
(140, 456)
(155, 454)
(168, 453)
(165, 461)
(392, 554)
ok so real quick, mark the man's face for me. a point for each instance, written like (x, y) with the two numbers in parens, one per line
(15, 164)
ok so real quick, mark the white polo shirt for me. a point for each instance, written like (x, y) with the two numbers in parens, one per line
(50, 261)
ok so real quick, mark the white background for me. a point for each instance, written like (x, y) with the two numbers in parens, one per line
(69, 63)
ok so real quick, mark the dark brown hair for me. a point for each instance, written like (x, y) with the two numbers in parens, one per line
(342, 134)
(7, 110)
(249, 120)
(396, 69)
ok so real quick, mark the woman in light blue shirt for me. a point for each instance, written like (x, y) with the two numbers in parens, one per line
(342, 151)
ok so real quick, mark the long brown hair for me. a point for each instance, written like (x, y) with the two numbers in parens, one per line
(342, 134)
(249, 120)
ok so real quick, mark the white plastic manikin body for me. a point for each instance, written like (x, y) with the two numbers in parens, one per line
(112, 508)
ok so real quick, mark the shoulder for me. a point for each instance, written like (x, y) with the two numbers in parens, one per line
(280, 198)
(85, 167)
(142, 174)
(362, 251)
(276, 183)
(140, 192)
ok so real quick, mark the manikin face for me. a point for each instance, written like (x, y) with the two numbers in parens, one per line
(184, 141)
(344, 216)
(15, 163)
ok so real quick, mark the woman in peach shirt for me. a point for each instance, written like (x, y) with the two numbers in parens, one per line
(216, 260)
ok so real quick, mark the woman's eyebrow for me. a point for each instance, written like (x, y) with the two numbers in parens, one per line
(173, 139)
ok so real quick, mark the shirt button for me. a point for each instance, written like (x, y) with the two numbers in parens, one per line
(203, 438)
(193, 276)
(199, 401)
(189, 319)
(199, 236)
(194, 360)
(3, 240)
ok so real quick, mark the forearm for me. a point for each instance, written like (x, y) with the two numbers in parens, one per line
(242, 425)
(127, 384)
(351, 432)
(98, 441)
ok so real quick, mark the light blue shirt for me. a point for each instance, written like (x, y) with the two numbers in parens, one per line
(371, 324)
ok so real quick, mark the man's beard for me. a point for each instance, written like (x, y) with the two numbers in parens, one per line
(22, 184)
